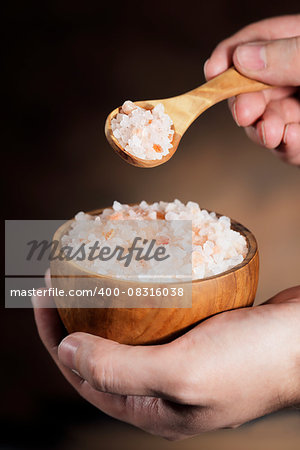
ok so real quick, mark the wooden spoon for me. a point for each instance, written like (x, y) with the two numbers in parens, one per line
(184, 109)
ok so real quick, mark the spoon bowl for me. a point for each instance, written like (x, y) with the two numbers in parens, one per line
(184, 109)
(128, 157)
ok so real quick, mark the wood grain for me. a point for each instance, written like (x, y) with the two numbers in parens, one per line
(235, 288)
(184, 109)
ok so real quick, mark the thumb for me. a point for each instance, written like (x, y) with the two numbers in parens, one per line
(274, 62)
(118, 368)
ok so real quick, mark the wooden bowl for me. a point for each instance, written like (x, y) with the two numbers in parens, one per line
(232, 289)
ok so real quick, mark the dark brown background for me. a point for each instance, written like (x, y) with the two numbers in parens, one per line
(67, 64)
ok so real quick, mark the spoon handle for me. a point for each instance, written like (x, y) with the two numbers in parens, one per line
(226, 85)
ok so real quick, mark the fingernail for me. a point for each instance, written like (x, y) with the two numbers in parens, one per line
(261, 132)
(76, 373)
(251, 57)
(205, 66)
(234, 113)
(48, 278)
(34, 301)
(67, 350)
(285, 134)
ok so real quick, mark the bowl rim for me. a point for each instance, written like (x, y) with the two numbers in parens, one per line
(235, 225)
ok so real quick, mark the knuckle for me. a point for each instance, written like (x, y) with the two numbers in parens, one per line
(77, 334)
(93, 371)
(295, 55)
(185, 388)
(296, 43)
(99, 373)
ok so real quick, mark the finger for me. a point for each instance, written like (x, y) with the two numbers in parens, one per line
(274, 28)
(289, 150)
(51, 332)
(151, 414)
(274, 62)
(270, 129)
(48, 278)
(288, 108)
(50, 328)
(121, 369)
(287, 296)
(253, 134)
(247, 108)
(154, 415)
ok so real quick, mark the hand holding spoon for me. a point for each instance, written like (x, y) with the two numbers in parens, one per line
(184, 109)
